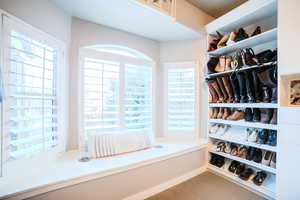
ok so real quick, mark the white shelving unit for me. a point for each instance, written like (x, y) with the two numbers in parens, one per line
(244, 123)
(251, 14)
(262, 38)
(250, 144)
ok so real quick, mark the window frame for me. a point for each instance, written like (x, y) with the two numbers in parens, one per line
(9, 23)
(123, 60)
(181, 135)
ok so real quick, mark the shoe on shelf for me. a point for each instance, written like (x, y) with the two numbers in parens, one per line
(223, 41)
(228, 88)
(248, 115)
(237, 60)
(262, 136)
(267, 158)
(249, 57)
(228, 63)
(220, 113)
(236, 116)
(251, 134)
(222, 88)
(215, 86)
(220, 161)
(213, 159)
(240, 168)
(241, 35)
(259, 178)
(256, 115)
(213, 128)
(256, 86)
(234, 149)
(213, 43)
(274, 97)
(226, 113)
(273, 161)
(266, 115)
(235, 88)
(232, 167)
(212, 64)
(221, 147)
(242, 153)
(266, 94)
(274, 117)
(250, 153)
(257, 31)
(227, 148)
(246, 174)
(232, 37)
(268, 77)
(265, 56)
(242, 86)
(223, 129)
(272, 138)
(257, 156)
(214, 113)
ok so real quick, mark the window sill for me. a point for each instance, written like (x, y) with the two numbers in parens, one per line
(65, 170)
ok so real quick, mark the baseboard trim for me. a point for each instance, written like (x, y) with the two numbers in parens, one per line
(166, 185)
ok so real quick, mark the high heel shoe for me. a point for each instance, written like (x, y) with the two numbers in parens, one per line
(223, 41)
(256, 31)
(232, 37)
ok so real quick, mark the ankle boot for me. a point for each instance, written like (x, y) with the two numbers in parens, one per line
(272, 138)
(222, 87)
(256, 31)
(220, 114)
(256, 87)
(256, 115)
(211, 113)
(274, 96)
(215, 85)
(274, 117)
(221, 66)
(235, 88)
(266, 115)
(232, 37)
(227, 85)
(215, 113)
(226, 113)
(212, 64)
(242, 86)
(212, 92)
(268, 77)
(249, 88)
(241, 35)
(237, 115)
(266, 94)
(223, 41)
(248, 115)
(228, 63)
(249, 57)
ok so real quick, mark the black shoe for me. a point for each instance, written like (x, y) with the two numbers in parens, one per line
(242, 87)
(233, 166)
(235, 88)
(220, 161)
(241, 35)
(274, 96)
(240, 168)
(256, 87)
(266, 94)
(248, 115)
(259, 178)
(256, 115)
(249, 88)
(257, 156)
(265, 115)
(265, 56)
(211, 64)
(262, 136)
(213, 159)
(249, 57)
(245, 175)
(250, 153)
(272, 138)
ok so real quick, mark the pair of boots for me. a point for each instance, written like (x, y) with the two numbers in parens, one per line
(219, 113)
(220, 90)
(263, 115)
(219, 64)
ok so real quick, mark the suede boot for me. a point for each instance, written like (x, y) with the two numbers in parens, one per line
(228, 88)
(222, 87)
(220, 113)
(242, 86)
(228, 63)
(226, 113)
(215, 85)
(212, 92)
(221, 66)
(237, 115)
(223, 41)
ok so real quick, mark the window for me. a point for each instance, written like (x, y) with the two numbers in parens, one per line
(181, 98)
(31, 107)
(116, 93)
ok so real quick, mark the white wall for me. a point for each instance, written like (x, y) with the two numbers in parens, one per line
(85, 33)
(180, 51)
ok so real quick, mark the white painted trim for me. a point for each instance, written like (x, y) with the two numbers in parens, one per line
(166, 185)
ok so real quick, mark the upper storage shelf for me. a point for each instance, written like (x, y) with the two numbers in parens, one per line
(246, 14)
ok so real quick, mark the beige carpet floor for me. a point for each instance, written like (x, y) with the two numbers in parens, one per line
(206, 186)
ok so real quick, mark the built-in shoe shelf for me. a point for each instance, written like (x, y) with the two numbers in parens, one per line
(262, 38)
(243, 105)
(246, 143)
(267, 189)
(245, 161)
(241, 69)
(244, 123)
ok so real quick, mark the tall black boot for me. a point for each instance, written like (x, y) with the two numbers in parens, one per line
(235, 88)
(256, 87)
(242, 86)
(249, 88)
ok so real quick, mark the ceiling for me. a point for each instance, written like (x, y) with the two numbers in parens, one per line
(129, 16)
(217, 8)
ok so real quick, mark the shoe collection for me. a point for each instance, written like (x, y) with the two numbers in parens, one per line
(245, 173)
(221, 41)
(249, 153)
(250, 86)
(263, 115)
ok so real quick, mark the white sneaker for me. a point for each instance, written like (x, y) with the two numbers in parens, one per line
(222, 131)
(213, 128)
(251, 134)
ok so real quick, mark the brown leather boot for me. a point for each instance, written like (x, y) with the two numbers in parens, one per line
(228, 88)
(221, 66)
(222, 87)
(212, 92)
(216, 87)
(220, 114)
(226, 113)
(228, 63)
(237, 115)
(223, 41)
(215, 113)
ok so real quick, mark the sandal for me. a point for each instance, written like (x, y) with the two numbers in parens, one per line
(242, 152)
(234, 150)
(233, 166)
